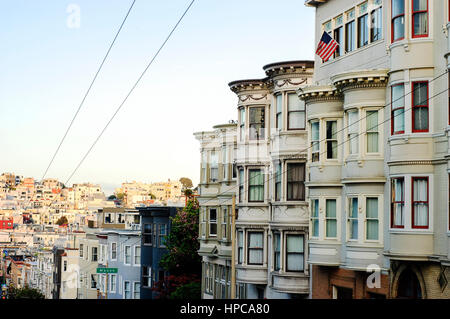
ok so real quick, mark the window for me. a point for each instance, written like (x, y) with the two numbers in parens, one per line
(127, 255)
(296, 112)
(350, 32)
(331, 218)
(398, 109)
(212, 222)
(147, 276)
(147, 235)
(241, 185)
(338, 34)
(256, 185)
(256, 123)
(420, 202)
(225, 163)
(331, 139)
(376, 28)
(279, 115)
(137, 290)
(420, 18)
(372, 131)
(397, 202)
(94, 254)
(276, 251)
(353, 132)
(162, 235)
(204, 166)
(278, 182)
(294, 253)
(65, 265)
(234, 168)
(295, 181)
(363, 26)
(81, 250)
(315, 218)
(137, 255)
(372, 218)
(242, 124)
(94, 281)
(240, 247)
(214, 167)
(126, 290)
(112, 282)
(255, 248)
(315, 141)
(225, 222)
(420, 107)
(353, 218)
(398, 20)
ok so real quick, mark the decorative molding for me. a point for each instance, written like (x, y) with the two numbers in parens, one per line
(244, 98)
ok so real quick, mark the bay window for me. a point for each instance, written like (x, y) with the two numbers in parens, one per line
(242, 124)
(397, 202)
(420, 106)
(420, 18)
(214, 167)
(363, 26)
(398, 109)
(420, 202)
(376, 28)
(279, 115)
(353, 218)
(212, 222)
(398, 20)
(296, 112)
(353, 132)
(276, 251)
(331, 139)
(315, 218)
(372, 131)
(294, 253)
(255, 248)
(331, 218)
(255, 185)
(278, 182)
(372, 218)
(315, 141)
(295, 181)
(350, 32)
(257, 123)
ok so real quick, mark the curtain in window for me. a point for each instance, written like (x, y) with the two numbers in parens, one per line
(353, 131)
(296, 177)
(350, 36)
(397, 196)
(420, 95)
(421, 208)
(372, 218)
(331, 226)
(255, 246)
(372, 131)
(421, 18)
(354, 218)
(256, 185)
(294, 252)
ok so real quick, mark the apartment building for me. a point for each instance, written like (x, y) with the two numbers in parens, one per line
(378, 156)
(216, 189)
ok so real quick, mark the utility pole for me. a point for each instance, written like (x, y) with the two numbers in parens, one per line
(233, 248)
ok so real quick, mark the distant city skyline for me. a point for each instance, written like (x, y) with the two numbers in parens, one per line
(47, 65)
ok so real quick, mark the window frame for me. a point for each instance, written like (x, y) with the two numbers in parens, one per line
(92, 254)
(250, 186)
(136, 247)
(276, 251)
(112, 283)
(147, 234)
(162, 236)
(378, 219)
(279, 112)
(413, 13)
(353, 136)
(364, 16)
(300, 182)
(315, 153)
(427, 106)
(331, 140)
(373, 130)
(262, 123)
(148, 276)
(125, 291)
(278, 180)
(212, 222)
(396, 202)
(372, 14)
(240, 247)
(393, 132)
(351, 218)
(125, 255)
(413, 178)
(396, 17)
(291, 253)
(249, 233)
(354, 31)
(334, 218)
(314, 218)
(295, 111)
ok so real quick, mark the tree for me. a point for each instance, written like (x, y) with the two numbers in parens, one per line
(112, 197)
(24, 293)
(62, 220)
(120, 196)
(182, 260)
(186, 182)
(152, 196)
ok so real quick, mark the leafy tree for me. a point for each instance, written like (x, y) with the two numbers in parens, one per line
(120, 196)
(112, 197)
(24, 293)
(186, 182)
(62, 220)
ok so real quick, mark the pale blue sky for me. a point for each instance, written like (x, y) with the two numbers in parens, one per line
(46, 68)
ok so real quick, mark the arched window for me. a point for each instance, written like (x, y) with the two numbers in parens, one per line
(408, 286)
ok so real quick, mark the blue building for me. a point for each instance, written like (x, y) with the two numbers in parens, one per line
(156, 225)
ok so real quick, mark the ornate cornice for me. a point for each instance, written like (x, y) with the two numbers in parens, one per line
(249, 85)
(244, 98)
(416, 162)
(319, 93)
(363, 79)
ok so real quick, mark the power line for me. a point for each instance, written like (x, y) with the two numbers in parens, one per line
(131, 90)
(357, 135)
(89, 89)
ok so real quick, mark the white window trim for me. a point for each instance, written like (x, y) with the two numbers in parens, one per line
(124, 292)
(134, 255)
(113, 259)
(124, 255)
(133, 289)
(110, 283)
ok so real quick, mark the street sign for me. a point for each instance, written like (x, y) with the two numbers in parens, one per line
(106, 270)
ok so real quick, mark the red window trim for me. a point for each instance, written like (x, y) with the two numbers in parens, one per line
(412, 20)
(392, 110)
(412, 202)
(392, 23)
(424, 105)
(397, 202)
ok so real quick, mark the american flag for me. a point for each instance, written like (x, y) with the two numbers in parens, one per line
(326, 47)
